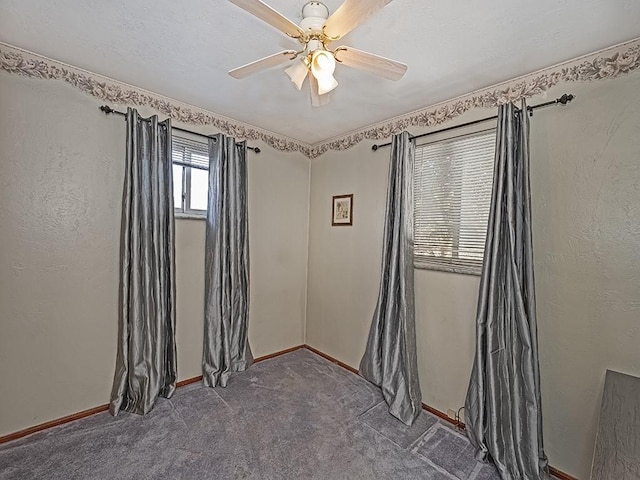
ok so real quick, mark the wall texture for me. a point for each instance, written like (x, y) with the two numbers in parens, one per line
(61, 168)
(586, 218)
(586, 215)
(61, 178)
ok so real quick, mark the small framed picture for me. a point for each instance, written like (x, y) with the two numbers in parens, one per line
(342, 212)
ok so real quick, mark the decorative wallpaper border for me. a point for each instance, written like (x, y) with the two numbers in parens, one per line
(606, 64)
(27, 64)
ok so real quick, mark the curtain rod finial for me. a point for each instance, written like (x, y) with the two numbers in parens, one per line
(566, 98)
(106, 109)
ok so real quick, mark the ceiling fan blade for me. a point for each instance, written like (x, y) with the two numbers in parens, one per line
(267, 14)
(351, 14)
(382, 66)
(266, 62)
(317, 100)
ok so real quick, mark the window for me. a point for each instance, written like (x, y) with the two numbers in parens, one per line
(190, 176)
(453, 180)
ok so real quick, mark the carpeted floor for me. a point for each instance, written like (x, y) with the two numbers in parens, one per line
(296, 416)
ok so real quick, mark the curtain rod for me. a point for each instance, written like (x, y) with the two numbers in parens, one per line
(563, 100)
(107, 110)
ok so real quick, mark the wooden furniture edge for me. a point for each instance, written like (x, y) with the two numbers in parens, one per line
(103, 408)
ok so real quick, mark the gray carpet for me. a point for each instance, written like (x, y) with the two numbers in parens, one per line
(296, 416)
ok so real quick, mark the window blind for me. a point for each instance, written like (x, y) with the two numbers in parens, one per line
(452, 191)
(190, 153)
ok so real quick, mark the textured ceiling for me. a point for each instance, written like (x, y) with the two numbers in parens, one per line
(184, 49)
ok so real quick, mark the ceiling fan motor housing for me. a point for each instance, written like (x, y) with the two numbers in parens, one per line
(314, 14)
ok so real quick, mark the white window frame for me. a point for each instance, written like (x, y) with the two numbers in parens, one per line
(421, 261)
(184, 210)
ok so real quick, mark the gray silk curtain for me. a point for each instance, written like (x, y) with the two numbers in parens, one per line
(226, 346)
(146, 360)
(503, 405)
(390, 359)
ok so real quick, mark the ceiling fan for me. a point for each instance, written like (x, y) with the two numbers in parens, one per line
(316, 31)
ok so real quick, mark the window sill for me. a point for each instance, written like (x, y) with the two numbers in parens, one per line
(189, 216)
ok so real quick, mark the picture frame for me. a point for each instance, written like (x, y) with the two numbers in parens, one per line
(342, 210)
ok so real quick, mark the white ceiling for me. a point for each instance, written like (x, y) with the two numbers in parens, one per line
(184, 49)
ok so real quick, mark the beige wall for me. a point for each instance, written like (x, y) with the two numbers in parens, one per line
(586, 213)
(586, 216)
(61, 174)
(61, 177)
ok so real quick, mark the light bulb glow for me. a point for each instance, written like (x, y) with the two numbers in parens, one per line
(322, 64)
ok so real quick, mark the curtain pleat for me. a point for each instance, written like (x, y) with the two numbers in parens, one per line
(390, 359)
(226, 345)
(146, 359)
(503, 406)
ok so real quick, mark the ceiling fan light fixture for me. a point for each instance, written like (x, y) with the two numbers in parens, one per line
(297, 72)
(326, 84)
(323, 64)
(315, 32)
